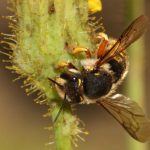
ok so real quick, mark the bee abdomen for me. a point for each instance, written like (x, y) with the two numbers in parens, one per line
(118, 69)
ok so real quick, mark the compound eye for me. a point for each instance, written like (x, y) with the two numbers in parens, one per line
(69, 77)
(75, 79)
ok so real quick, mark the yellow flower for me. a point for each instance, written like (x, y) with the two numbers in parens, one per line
(94, 5)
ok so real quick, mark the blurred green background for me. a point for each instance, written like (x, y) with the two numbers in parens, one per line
(21, 121)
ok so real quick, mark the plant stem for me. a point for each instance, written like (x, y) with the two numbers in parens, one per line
(42, 28)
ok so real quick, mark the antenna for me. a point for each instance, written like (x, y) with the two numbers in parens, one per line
(63, 103)
(61, 108)
(53, 81)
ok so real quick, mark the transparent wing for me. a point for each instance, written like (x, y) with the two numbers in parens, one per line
(131, 34)
(129, 115)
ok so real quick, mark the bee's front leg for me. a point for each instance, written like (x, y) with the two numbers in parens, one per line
(78, 50)
(65, 64)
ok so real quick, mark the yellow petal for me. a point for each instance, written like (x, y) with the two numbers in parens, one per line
(94, 5)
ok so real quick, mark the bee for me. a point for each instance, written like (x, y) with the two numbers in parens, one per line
(98, 78)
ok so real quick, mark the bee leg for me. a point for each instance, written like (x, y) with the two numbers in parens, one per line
(78, 50)
(64, 64)
(101, 49)
(102, 46)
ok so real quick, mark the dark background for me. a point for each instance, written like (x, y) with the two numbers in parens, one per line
(21, 121)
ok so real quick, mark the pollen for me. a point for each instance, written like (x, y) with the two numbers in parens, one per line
(94, 5)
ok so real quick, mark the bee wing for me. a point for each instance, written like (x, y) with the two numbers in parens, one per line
(131, 34)
(129, 115)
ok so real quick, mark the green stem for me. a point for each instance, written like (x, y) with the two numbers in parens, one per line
(42, 30)
(135, 82)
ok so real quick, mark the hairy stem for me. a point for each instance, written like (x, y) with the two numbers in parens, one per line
(42, 29)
